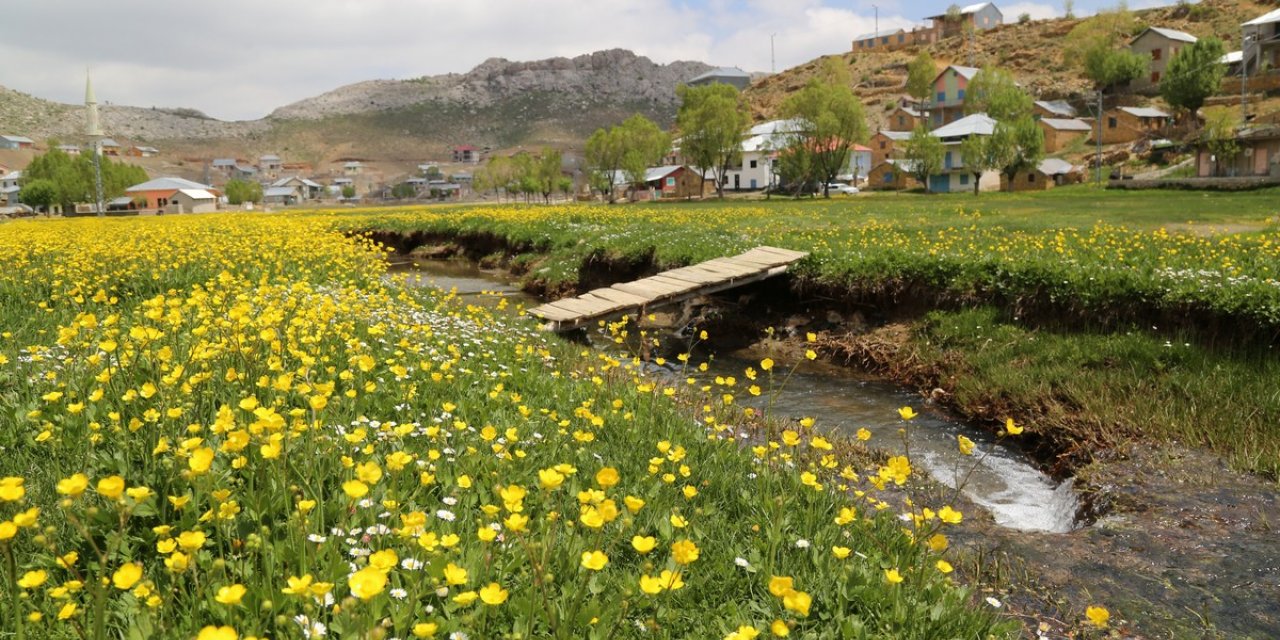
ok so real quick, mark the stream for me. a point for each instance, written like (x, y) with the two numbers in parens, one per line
(1004, 481)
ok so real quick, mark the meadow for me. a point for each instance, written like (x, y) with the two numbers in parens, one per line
(238, 426)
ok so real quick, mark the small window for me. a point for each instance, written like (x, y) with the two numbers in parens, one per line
(964, 179)
(1031, 177)
(882, 145)
(1155, 53)
(960, 95)
(671, 182)
(942, 96)
(753, 164)
(1155, 77)
(1111, 123)
(902, 121)
(900, 38)
(884, 40)
(888, 177)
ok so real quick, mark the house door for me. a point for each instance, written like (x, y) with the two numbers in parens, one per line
(753, 184)
(737, 181)
(1260, 161)
(940, 184)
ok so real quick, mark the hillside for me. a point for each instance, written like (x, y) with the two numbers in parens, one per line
(500, 104)
(1032, 52)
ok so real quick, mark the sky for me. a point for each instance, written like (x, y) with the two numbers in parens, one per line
(241, 59)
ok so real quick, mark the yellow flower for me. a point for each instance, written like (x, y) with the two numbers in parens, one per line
(74, 486)
(191, 540)
(384, 560)
(779, 629)
(847, 515)
(493, 594)
(949, 515)
(633, 503)
(201, 460)
(863, 434)
(8, 530)
(369, 472)
(465, 598)
(1098, 616)
(218, 633)
(892, 576)
(643, 544)
(744, 632)
(780, 585)
(591, 517)
(67, 610)
(367, 583)
(27, 518)
(455, 575)
(594, 560)
(516, 523)
(671, 580)
(11, 489)
(797, 601)
(425, 629)
(841, 552)
(684, 551)
(111, 487)
(1011, 428)
(230, 594)
(298, 586)
(966, 445)
(127, 575)
(550, 479)
(898, 469)
(944, 566)
(32, 579)
(305, 506)
(650, 585)
(355, 489)
(177, 562)
(938, 543)
(766, 364)
(607, 477)
(678, 521)
(907, 413)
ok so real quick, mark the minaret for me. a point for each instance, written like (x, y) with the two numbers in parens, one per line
(93, 128)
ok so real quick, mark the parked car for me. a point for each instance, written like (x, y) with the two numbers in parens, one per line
(847, 189)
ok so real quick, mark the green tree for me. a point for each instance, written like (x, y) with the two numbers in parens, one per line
(829, 122)
(40, 194)
(1016, 146)
(923, 154)
(348, 192)
(1100, 45)
(712, 120)
(1194, 73)
(603, 159)
(920, 75)
(978, 157)
(241, 191)
(403, 191)
(1219, 135)
(73, 178)
(547, 172)
(994, 92)
(622, 153)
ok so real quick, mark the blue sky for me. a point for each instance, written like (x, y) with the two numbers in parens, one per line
(240, 59)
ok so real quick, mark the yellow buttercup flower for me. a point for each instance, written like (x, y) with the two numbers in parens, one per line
(218, 633)
(73, 486)
(230, 594)
(684, 551)
(493, 594)
(907, 413)
(126, 576)
(1099, 617)
(594, 560)
(455, 575)
(367, 583)
(111, 487)
(643, 544)
(32, 579)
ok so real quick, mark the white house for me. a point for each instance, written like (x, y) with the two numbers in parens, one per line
(954, 176)
(192, 201)
(9, 187)
(759, 153)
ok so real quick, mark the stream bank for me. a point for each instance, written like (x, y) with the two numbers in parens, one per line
(1181, 545)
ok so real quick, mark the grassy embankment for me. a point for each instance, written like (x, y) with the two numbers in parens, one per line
(1107, 316)
(231, 426)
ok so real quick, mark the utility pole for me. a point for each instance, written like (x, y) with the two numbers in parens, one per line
(1099, 119)
(1244, 74)
(773, 58)
(877, 10)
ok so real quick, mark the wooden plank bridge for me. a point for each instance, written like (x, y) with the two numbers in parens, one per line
(668, 287)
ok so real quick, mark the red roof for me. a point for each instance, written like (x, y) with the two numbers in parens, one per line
(465, 147)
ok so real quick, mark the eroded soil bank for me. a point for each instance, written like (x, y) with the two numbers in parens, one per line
(1178, 545)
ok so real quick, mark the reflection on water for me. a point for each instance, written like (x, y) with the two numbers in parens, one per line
(1004, 481)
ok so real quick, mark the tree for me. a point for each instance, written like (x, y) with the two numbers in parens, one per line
(829, 121)
(978, 156)
(1024, 18)
(920, 75)
(546, 172)
(1220, 136)
(603, 158)
(348, 192)
(241, 191)
(402, 191)
(1069, 9)
(1016, 146)
(711, 120)
(73, 178)
(994, 92)
(923, 154)
(1194, 73)
(40, 194)
(1100, 45)
(623, 153)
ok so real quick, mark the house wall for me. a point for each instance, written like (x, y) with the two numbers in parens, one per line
(748, 177)
(1120, 126)
(1158, 50)
(960, 181)
(181, 203)
(1256, 158)
(885, 176)
(1027, 181)
(900, 120)
(154, 199)
(881, 149)
(860, 163)
(948, 97)
(685, 184)
(1057, 139)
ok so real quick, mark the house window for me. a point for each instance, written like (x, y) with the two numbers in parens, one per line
(1155, 77)
(888, 177)
(900, 38)
(753, 164)
(901, 121)
(947, 160)
(1111, 123)
(1031, 178)
(942, 96)
(1155, 53)
(882, 145)
(964, 179)
(884, 40)
(671, 182)
(960, 95)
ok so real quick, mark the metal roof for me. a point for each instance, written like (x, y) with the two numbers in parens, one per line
(1171, 34)
(896, 135)
(269, 156)
(1144, 112)
(1059, 107)
(878, 34)
(979, 124)
(1232, 57)
(966, 10)
(224, 162)
(722, 72)
(197, 194)
(1055, 166)
(108, 142)
(167, 184)
(276, 192)
(1066, 124)
(19, 139)
(1266, 18)
(121, 201)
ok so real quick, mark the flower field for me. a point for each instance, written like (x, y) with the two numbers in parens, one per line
(236, 426)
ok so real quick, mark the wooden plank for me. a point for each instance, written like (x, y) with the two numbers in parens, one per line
(650, 289)
(758, 256)
(617, 295)
(584, 307)
(548, 312)
(784, 253)
(613, 305)
(728, 267)
(684, 285)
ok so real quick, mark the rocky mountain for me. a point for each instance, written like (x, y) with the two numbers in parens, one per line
(500, 104)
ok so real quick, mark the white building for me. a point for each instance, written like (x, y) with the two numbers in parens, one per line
(954, 176)
(759, 155)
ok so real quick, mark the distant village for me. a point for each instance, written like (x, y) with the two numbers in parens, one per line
(1071, 130)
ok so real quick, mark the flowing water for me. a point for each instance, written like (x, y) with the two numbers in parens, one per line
(1004, 480)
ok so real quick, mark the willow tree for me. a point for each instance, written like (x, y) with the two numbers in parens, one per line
(1194, 73)
(621, 154)
(712, 120)
(828, 122)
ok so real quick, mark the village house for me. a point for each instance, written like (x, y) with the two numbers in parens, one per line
(1258, 155)
(1158, 46)
(1050, 173)
(955, 176)
(9, 186)
(669, 182)
(892, 175)
(1126, 124)
(466, 154)
(16, 142)
(192, 201)
(1262, 43)
(110, 147)
(948, 93)
(162, 192)
(905, 118)
(270, 163)
(894, 39)
(724, 75)
(224, 165)
(981, 17)
(306, 189)
(859, 164)
(885, 145)
(1052, 109)
(283, 196)
(353, 168)
(759, 152)
(1059, 133)
(142, 152)
(69, 149)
